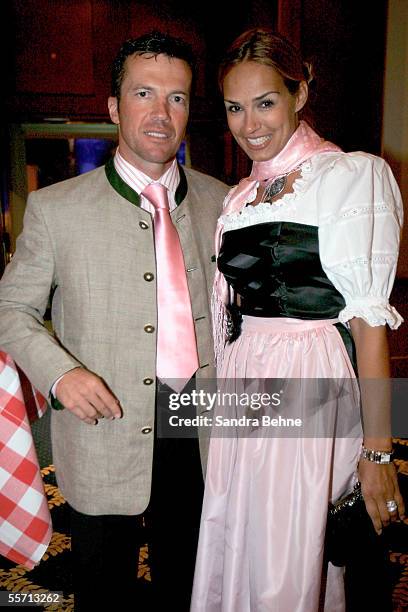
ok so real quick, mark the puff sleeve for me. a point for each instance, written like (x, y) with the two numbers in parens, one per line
(360, 218)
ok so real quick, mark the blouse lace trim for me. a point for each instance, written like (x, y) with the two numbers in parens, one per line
(359, 211)
(266, 211)
(365, 262)
(374, 311)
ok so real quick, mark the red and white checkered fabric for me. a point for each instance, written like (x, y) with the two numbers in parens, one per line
(25, 521)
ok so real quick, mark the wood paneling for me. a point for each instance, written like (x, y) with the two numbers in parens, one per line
(399, 339)
(289, 20)
(345, 41)
(54, 43)
(86, 34)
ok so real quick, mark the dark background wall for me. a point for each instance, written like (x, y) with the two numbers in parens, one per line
(345, 40)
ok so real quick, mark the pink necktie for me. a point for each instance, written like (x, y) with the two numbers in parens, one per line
(176, 341)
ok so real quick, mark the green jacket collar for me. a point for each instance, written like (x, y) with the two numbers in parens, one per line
(130, 194)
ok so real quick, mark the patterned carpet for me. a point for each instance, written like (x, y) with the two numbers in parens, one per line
(54, 571)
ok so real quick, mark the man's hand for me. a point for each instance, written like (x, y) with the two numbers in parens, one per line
(87, 396)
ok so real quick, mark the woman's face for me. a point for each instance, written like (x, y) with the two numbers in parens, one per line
(261, 112)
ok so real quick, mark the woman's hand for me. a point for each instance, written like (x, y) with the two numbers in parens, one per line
(379, 484)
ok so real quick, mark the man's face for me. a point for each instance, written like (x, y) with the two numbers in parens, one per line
(152, 112)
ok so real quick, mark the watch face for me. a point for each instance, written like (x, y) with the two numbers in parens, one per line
(377, 456)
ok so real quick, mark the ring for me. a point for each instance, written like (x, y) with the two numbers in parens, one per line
(391, 505)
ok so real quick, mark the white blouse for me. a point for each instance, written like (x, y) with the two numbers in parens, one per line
(356, 204)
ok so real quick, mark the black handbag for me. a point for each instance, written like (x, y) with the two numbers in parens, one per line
(349, 528)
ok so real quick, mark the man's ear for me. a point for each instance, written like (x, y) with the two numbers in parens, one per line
(113, 107)
(301, 96)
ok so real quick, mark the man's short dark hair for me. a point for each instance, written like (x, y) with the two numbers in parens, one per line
(153, 43)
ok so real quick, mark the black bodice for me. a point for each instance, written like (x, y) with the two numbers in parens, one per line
(275, 267)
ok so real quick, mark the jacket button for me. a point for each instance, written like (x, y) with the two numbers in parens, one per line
(148, 381)
(143, 225)
(148, 276)
(146, 430)
(149, 329)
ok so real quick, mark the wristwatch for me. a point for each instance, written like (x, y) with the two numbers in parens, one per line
(376, 456)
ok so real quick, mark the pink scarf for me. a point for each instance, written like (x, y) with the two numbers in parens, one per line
(302, 145)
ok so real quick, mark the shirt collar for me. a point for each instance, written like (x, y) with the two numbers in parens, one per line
(127, 192)
(138, 180)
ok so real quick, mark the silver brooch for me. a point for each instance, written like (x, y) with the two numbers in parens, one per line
(274, 188)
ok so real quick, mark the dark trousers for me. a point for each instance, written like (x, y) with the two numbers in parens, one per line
(105, 549)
